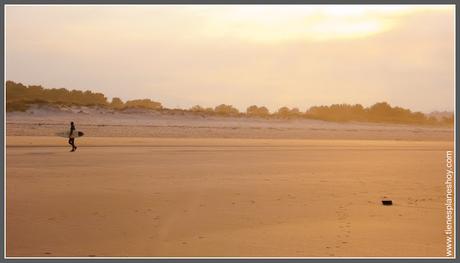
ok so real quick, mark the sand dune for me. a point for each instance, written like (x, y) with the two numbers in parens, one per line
(224, 197)
(104, 123)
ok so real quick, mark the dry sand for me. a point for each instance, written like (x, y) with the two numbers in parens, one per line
(225, 197)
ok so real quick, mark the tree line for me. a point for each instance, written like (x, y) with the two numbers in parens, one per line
(19, 97)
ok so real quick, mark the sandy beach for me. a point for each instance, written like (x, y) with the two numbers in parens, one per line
(244, 197)
(241, 131)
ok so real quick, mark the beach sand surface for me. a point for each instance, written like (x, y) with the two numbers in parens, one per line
(146, 124)
(187, 197)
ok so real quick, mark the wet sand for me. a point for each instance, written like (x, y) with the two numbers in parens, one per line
(225, 197)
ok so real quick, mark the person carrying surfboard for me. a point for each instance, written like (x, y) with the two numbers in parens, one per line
(72, 136)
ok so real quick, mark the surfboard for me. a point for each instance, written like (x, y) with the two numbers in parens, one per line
(75, 134)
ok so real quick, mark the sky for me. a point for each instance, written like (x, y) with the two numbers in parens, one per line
(270, 55)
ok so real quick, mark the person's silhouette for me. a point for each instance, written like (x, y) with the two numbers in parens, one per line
(72, 136)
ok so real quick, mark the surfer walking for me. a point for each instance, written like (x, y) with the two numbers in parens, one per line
(72, 136)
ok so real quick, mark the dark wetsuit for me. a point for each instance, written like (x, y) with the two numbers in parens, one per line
(72, 137)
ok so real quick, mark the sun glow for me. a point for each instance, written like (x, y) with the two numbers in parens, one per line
(279, 23)
(272, 55)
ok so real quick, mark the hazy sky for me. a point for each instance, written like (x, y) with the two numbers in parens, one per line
(272, 55)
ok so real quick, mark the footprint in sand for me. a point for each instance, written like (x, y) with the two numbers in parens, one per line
(344, 226)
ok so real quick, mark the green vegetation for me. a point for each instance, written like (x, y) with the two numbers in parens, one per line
(16, 92)
(201, 110)
(226, 110)
(254, 111)
(380, 112)
(286, 113)
(117, 103)
(19, 97)
(143, 104)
